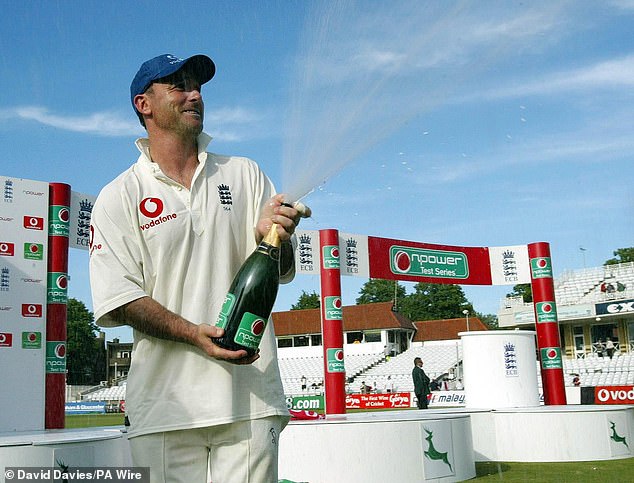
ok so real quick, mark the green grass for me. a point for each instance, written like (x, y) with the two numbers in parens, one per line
(612, 471)
(92, 420)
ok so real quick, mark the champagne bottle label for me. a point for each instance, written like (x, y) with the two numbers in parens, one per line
(250, 330)
(225, 311)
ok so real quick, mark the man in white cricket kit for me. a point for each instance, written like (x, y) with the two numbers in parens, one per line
(167, 237)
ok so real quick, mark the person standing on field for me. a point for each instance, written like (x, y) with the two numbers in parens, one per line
(421, 383)
(167, 237)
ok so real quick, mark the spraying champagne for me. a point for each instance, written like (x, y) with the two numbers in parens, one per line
(249, 302)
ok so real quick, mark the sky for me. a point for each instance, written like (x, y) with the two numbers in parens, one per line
(483, 123)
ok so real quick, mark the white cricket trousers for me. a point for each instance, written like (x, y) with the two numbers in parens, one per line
(241, 452)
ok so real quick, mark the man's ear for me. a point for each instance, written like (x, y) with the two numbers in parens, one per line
(142, 104)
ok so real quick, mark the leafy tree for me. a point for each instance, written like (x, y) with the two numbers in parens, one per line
(622, 255)
(377, 290)
(435, 301)
(523, 290)
(490, 320)
(307, 301)
(85, 355)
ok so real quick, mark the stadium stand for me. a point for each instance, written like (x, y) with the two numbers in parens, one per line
(439, 358)
(113, 393)
(579, 295)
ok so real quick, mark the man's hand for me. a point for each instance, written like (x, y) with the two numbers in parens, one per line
(151, 318)
(203, 341)
(286, 217)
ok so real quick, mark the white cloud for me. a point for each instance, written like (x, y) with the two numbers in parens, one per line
(623, 4)
(228, 124)
(104, 123)
(606, 74)
(573, 149)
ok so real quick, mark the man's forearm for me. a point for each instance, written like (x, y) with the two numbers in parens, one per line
(148, 316)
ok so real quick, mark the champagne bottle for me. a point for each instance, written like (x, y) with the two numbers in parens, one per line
(248, 304)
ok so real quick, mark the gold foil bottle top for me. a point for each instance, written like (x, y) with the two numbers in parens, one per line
(272, 238)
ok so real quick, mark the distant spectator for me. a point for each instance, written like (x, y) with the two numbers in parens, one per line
(576, 381)
(599, 347)
(609, 347)
(445, 384)
(389, 384)
(303, 383)
(459, 385)
(620, 287)
(434, 386)
(365, 389)
(421, 383)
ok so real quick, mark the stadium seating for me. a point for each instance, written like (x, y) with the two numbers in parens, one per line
(113, 393)
(585, 286)
(440, 358)
(444, 357)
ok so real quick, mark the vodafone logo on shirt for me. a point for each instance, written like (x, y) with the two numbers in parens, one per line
(153, 208)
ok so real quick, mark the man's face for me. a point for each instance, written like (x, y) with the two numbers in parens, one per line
(177, 104)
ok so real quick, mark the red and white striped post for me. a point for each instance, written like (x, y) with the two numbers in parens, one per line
(332, 323)
(56, 300)
(546, 324)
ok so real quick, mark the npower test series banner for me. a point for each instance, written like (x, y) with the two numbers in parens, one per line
(384, 258)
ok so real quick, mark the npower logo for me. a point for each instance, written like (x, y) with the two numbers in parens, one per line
(153, 208)
(425, 262)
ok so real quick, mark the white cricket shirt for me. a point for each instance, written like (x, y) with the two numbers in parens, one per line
(152, 237)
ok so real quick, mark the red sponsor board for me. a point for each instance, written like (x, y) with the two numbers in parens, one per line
(34, 223)
(614, 395)
(31, 310)
(378, 401)
(6, 339)
(425, 262)
(7, 249)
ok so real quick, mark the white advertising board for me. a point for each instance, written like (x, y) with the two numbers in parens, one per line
(23, 275)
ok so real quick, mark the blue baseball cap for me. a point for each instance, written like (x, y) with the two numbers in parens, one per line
(167, 64)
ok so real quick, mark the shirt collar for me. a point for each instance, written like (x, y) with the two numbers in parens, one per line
(143, 145)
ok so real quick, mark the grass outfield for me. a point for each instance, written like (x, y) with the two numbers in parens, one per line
(92, 420)
(613, 471)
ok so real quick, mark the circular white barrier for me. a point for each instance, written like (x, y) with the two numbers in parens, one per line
(92, 447)
(554, 433)
(499, 369)
(403, 446)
